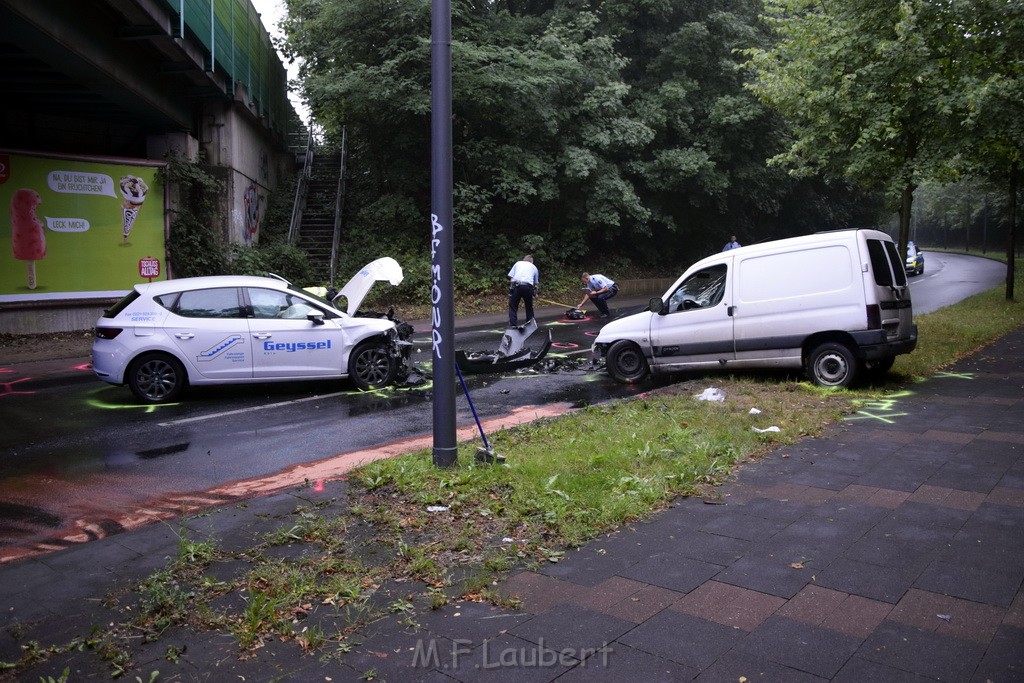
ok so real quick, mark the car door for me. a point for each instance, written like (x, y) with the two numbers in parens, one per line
(697, 327)
(286, 343)
(210, 328)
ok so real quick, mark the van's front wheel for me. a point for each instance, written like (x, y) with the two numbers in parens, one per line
(831, 365)
(626, 362)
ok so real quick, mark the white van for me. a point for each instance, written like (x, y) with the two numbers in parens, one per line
(836, 304)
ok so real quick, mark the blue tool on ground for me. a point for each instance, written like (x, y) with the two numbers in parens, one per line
(485, 454)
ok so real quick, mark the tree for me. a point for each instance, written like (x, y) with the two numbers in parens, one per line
(618, 130)
(869, 89)
(988, 39)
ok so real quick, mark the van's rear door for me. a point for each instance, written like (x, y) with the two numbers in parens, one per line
(891, 290)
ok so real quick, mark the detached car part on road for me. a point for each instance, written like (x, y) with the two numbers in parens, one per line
(164, 336)
(835, 304)
(512, 353)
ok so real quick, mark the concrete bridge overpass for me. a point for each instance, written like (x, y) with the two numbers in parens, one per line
(133, 81)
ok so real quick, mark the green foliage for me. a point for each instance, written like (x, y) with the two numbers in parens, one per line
(281, 258)
(193, 249)
(578, 132)
(195, 246)
(895, 94)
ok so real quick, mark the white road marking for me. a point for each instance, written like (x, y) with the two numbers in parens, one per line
(253, 409)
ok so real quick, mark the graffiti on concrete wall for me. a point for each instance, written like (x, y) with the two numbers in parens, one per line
(254, 203)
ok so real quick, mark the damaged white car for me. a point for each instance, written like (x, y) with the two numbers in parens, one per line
(165, 336)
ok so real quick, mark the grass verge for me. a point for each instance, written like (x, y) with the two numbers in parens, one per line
(408, 536)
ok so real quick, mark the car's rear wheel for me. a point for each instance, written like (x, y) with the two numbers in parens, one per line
(831, 365)
(371, 365)
(156, 378)
(626, 362)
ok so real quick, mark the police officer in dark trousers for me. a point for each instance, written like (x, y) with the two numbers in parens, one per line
(598, 289)
(525, 282)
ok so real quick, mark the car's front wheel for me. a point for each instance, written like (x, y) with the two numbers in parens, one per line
(371, 365)
(156, 378)
(831, 365)
(626, 362)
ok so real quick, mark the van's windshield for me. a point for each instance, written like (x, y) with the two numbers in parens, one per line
(702, 289)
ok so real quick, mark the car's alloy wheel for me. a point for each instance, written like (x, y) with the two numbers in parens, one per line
(372, 365)
(156, 378)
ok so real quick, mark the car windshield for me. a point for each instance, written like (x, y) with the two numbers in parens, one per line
(700, 290)
(311, 293)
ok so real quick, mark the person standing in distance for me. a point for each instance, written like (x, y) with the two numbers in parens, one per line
(731, 244)
(525, 282)
(598, 289)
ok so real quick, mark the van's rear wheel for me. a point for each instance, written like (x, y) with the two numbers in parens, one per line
(626, 362)
(831, 365)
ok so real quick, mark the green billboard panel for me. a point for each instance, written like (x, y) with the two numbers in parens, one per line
(74, 227)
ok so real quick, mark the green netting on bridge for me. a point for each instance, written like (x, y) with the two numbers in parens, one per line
(238, 45)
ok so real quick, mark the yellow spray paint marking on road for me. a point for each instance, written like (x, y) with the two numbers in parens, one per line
(880, 409)
(103, 405)
(954, 375)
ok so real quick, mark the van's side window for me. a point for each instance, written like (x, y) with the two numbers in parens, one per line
(703, 289)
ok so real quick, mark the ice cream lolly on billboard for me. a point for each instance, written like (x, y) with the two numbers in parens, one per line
(28, 241)
(74, 227)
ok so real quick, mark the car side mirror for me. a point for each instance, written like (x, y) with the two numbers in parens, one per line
(315, 317)
(656, 305)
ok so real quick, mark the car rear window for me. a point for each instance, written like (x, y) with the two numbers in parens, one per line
(121, 305)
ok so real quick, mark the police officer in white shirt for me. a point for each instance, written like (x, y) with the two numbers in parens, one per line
(598, 289)
(525, 282)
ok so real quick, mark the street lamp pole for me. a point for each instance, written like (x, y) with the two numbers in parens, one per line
(442, 291)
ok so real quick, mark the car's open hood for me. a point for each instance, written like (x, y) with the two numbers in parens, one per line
(354, 292)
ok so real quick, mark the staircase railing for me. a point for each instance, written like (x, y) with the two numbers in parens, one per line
(301, 190)
(339, 205)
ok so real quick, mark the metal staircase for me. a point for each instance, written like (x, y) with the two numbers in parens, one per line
(316, 217)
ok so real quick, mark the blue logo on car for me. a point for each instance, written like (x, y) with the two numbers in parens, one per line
(219, 348)
(292, 347)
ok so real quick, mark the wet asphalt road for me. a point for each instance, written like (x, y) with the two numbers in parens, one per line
(83, 449)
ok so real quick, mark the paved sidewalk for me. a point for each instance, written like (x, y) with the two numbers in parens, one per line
(890, 549)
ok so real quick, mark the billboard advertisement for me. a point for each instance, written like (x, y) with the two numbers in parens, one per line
(73, 227)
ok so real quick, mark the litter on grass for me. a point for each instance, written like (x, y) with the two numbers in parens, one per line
(773, 428)
(711, 394)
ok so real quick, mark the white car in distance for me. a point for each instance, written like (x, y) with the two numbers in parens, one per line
(234, 329)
